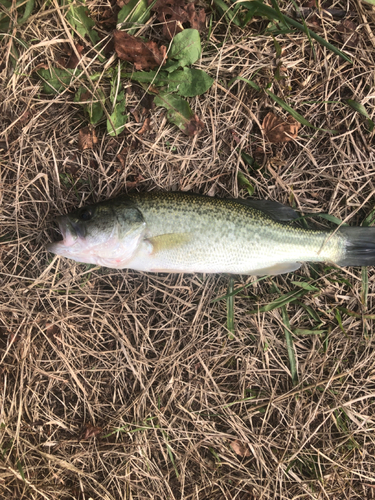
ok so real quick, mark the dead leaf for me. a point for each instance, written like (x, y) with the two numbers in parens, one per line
(235, 136)
(51, 329)
(194, 126)
(135, 113)
(72, 170)
(144, 55)
(197, 18)
(276, 130)
(133, 184)
(73, 59)
(89, 431)
(348, 34)
(173, 13)
(147, 102)
(240, 448)
(145, 127)
(87, 138)
(122, 157)
(24, 117)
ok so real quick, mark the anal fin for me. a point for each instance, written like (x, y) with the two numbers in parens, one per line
(280, 268)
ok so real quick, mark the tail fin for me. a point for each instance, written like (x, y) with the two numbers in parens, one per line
(359, 246)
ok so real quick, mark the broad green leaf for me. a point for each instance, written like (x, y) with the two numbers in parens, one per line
(178, 111)
(77, 17)
(187, 82)
(118, 118)
(135, 13)
(362, 110)
(185, 50)
(94, 108)
(249, 160)
(6, 13)
(55, 79)
(242, 181)
(27, 12)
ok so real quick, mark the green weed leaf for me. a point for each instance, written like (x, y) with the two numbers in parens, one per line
(242, 181)
(179, 113)
(185, 49)
(135, 13)
(79, 20)
(187, 82)
(94, 108)
(118, 118)
(55, 79)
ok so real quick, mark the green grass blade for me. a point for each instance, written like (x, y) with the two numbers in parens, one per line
(290, 110)
(361, 110)
(364, 293)
(227, 12)
(281, 301)
(238, 290)
(303, 331)
(258, 9)
(330, 218)
(230, 309)
(290, 346)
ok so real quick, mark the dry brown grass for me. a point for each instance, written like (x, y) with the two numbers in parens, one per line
(147, 357)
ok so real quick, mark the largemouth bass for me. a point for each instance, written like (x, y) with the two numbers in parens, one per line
(185, 233)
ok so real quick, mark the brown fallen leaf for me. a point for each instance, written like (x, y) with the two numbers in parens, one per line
(87, 138)
(89, 431)
(276, 130)
(144, 55)
(133, 184)
(197, 18)
(135, 113)
(121, 156)
(194, 126)
(73, 59)
(348, 34)
(146, 127)
(24, 117)
(240, 448)
(173, 13)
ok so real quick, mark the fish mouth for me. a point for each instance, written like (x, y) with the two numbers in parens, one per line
(67, 235)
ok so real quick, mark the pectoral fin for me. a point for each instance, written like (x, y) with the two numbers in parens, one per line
(168, 241)
(281, 268)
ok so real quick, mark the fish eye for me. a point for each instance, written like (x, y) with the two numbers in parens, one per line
(85, 215)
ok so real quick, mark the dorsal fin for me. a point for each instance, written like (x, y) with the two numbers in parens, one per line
(273, 209)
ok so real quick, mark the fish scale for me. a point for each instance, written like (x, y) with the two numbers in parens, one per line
(180, 232)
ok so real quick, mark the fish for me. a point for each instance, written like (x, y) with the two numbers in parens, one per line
(189, 233)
